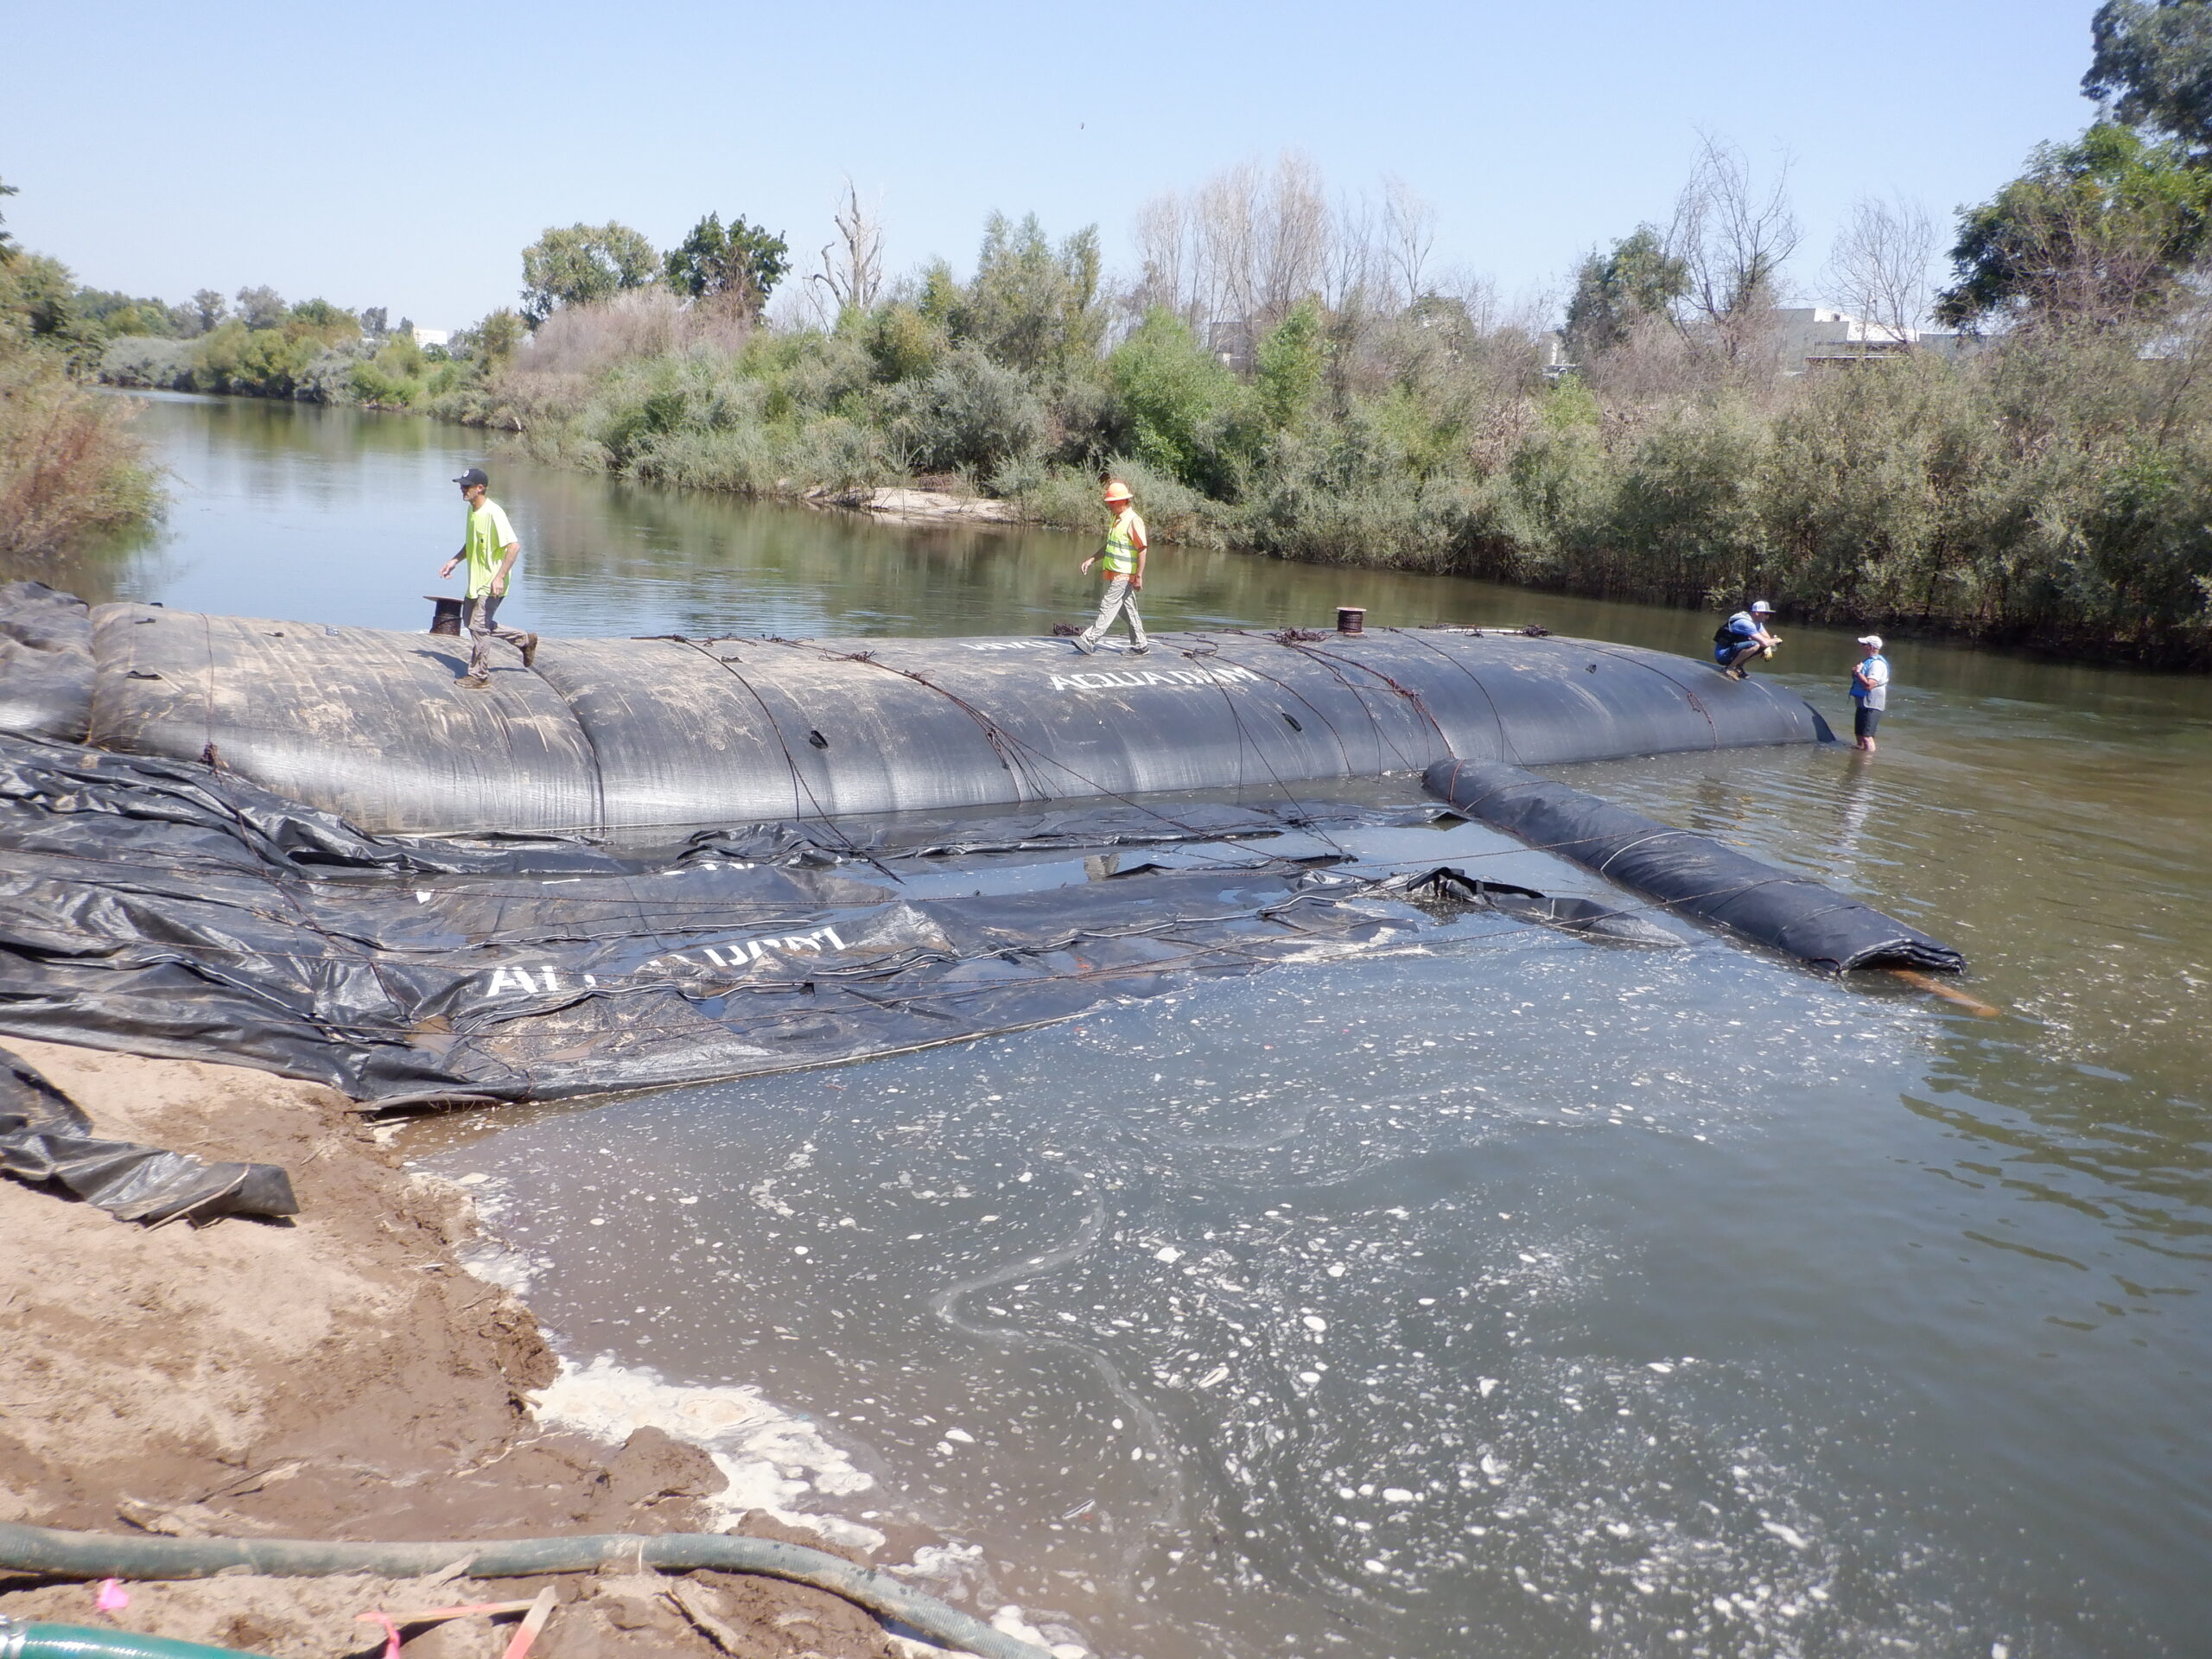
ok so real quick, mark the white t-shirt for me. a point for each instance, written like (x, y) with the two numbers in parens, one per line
(1875, 694)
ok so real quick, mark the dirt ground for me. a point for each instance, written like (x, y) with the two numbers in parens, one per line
(335, 1376)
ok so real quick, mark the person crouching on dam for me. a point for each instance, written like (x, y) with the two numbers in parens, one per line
(1742, 638)
(489, 546)
(1123, 556)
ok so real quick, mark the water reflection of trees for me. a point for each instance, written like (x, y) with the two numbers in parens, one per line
(871, 576)
(2073, 882)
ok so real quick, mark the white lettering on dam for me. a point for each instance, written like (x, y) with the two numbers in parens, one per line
(1122, 679)
(546, 980)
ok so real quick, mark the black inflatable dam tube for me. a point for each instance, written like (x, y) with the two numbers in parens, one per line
(1687, 872)
(619, 733)
(46, 662)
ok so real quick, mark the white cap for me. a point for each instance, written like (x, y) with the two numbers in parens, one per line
(1874, 639)
(1761, 604)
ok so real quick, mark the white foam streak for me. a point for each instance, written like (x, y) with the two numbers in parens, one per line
(769, 1458)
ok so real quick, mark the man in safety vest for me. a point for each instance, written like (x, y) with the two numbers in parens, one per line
(489, 549)
(1123, 556)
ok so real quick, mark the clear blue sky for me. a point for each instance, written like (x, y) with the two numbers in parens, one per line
(403, 155)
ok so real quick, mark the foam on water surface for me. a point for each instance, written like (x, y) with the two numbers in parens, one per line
(1521, 1295)
(772, 1460)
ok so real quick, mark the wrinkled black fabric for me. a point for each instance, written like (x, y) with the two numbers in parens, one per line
(46, 1137)
(1570, 914)
(169, 908)
(1689, 873)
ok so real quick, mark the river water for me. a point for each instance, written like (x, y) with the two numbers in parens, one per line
(1518, 1296)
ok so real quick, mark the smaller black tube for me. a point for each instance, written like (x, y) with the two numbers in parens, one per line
(1687, 872)
(57, 1554)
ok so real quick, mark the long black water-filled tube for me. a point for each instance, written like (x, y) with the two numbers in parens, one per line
(1687, 872)
(619, 733)
(48, 1552)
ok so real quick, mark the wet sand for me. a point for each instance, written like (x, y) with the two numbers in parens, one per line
(336, 1376)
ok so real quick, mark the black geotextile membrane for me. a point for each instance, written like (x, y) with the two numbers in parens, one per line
(46, 1138)
(171, 908)
(1687, 872)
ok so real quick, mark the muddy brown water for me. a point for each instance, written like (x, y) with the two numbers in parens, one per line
(1522, 1297)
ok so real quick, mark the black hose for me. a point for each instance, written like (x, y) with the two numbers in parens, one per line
(48, 1552)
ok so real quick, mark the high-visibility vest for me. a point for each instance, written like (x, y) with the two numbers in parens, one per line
(1122, 545)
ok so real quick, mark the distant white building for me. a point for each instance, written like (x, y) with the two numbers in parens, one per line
(433, 336)
(1815, 337)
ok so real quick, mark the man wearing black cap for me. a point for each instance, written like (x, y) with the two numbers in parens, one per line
(490, 547)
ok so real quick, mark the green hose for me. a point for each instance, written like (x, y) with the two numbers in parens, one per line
(56, 1554)
(75, 1641)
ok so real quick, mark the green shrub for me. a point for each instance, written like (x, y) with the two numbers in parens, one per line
(1058, 494)
(140, 360)
(68, 463)
(1176, 397)
(1287, 367)
(902, 343)
(2149, 568)
(969, 414)
(1684, 517)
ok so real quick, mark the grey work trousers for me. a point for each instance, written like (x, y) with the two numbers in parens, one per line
(1120, 598)
(482, 614)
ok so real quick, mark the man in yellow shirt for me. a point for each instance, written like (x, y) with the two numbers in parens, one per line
(1123, 557)
(490, 547)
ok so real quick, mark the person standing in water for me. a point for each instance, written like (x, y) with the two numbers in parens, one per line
(1123, 557)
(489, 546)
(1870, 691)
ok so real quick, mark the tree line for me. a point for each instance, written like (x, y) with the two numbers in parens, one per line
(1288, 370)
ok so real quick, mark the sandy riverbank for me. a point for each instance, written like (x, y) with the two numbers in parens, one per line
(920, 504)
(338, 1375)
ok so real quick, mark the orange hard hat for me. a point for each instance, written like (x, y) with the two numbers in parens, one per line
(1116, 491)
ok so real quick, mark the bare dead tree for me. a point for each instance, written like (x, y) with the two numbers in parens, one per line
(1878, 269)
(1408, 239)
(1354, 267)
(852, 266)
(1166, 257)
(1233, 257)
(1225, 239)
(1735, 238)
(1292, 240)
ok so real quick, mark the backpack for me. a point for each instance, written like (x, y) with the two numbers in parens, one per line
(1725, 634)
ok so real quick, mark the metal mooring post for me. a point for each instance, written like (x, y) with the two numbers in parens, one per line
(1351, 618)
(447, 618)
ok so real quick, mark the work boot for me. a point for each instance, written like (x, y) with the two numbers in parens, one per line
(529, 649)
(474, 682)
